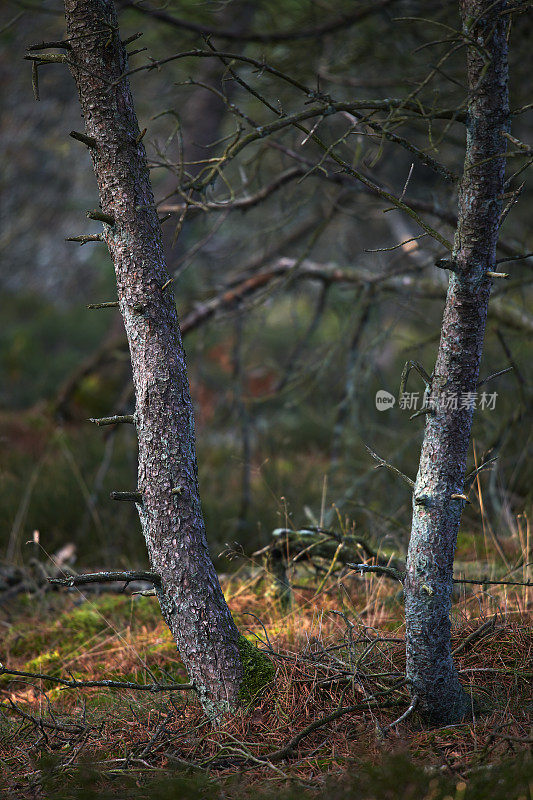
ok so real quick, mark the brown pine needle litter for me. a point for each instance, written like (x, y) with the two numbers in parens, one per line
(338, 702)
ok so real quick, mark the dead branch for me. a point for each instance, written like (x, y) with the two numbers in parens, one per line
(271, 37)
(286, 750)
(487, 627)
(39, 722)
(240, 203)
(104, 577)
(389, 572)
(414, 702)
(72, 683)
(382, 463)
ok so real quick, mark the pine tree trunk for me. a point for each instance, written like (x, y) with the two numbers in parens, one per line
(436, 516)
(190, 596)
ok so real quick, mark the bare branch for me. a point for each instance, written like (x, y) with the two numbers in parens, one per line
(135, 497)
(470, 478)
(487, 627)
(379, 570)
(386, 465)
(62, 44)
(101, 216)
(154, 688)
(118, 418)
(105, 577)
(416, 365)
(242, 203)
(94, 237)
(333, 26)
(89, 141)
(485, 582)
(494, 375)
(414, 702)
(286, 751)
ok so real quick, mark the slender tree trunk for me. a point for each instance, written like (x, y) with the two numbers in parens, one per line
(216, 656)
(436, 515)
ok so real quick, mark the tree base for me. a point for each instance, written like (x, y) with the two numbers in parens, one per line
(438, 712)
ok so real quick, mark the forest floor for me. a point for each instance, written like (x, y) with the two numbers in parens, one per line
(338, 648)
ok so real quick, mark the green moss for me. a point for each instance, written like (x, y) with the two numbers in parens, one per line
(43, 662)
(257, 667)
(68, 633)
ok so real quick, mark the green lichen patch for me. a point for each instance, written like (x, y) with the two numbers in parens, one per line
(258, 670)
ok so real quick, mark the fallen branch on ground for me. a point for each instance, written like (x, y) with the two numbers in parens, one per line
(72, 683)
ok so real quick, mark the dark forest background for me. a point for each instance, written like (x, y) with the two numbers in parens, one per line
(284, 381)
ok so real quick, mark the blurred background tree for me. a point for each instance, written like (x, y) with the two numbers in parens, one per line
(331, 292)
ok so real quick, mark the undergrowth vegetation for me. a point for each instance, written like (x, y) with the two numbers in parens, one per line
(326, 725)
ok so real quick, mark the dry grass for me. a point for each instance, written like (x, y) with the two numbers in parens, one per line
(354, 626)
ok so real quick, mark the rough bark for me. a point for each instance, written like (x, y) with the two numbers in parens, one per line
(192, 603)
(436, 516)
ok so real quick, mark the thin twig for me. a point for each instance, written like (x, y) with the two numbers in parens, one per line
(286, 750)
(390, 572)
(487, 627)
(383, 463)
(264, 37)
(414, 702)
